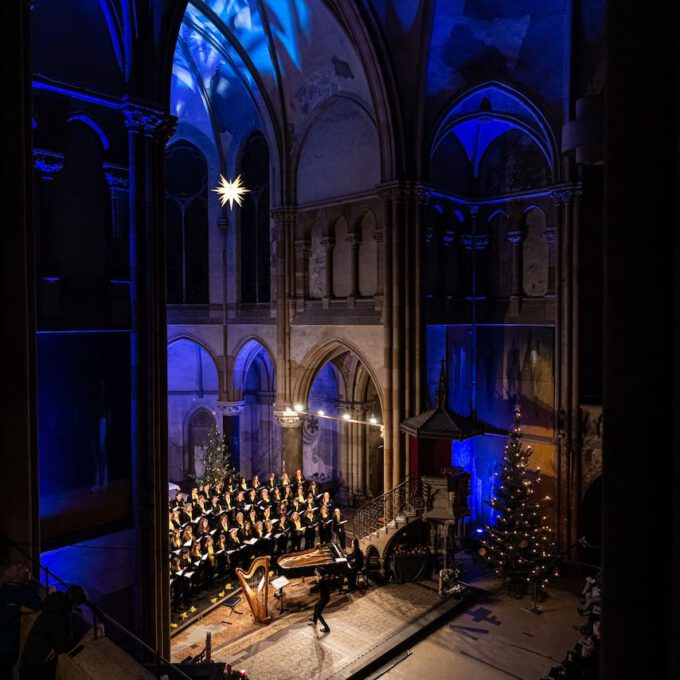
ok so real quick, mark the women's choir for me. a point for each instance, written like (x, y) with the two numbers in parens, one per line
(217, 528)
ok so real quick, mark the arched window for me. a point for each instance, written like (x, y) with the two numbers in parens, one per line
(254, 232)
(187, 220)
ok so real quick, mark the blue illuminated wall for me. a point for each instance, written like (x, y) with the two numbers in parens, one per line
(514, 363)
(83, 430)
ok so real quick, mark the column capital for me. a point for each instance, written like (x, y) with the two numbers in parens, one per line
(146, 120)
(353, 240)
(515, 236)
(265, 397)
(284, 214)
(327, 242)
(449, 237)
(565, 195)
(475, 241)
(379, 235)
(49, 163)
(116, 176)
(230, 408)
(301, 246)
(474, 211)
(550, 234)
(287, 418)
(403, 191)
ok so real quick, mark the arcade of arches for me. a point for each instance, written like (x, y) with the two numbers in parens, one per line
(427, 183)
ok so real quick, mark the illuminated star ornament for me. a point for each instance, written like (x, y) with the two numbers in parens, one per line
(231, 191)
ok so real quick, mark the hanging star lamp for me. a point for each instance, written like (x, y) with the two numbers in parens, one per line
(231, 192)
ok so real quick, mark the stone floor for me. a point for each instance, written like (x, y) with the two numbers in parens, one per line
(495, 637)
(289, 648)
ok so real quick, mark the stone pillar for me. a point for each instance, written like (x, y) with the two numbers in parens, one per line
(148, 132)
(359, 443)
(284, 228)
(118, 253)
(19, 502)
(566, 201)
(230, 427)
(385, 195)
(302, 253)
(354, 241)
(327, 244)
(515, 238)
(449, 270)
(269, 458)
(550, 235)
(291, 441)
(47, 165)
(48, 292)
(379, 235)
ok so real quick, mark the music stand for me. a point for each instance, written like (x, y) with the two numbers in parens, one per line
(280, 583)
(231, 603)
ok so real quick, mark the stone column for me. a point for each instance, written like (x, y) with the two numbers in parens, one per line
(302, 253)
(19, 502)
(269, 458)
(450, 269)
(148, 132)
(284, 227)
(47, 165)
(379, 235)
(550, 235)
(567, 361)
(230, 427)
(291, 441)
(327, 244)
(515, 238)
(354, 241)
(118, 253)
(385, 195)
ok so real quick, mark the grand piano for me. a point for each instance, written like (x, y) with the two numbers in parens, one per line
(327, 555)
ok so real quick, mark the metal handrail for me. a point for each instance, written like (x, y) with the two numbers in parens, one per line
(379, 511)
(99, 613)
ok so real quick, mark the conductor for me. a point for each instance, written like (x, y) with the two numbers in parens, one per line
(324, 598)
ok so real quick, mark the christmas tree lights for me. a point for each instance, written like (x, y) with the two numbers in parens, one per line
(217, 466)
(520, 545)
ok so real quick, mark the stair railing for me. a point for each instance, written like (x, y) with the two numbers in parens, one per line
(153, 660)
(381, 510)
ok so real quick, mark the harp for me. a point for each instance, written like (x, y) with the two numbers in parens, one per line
(255, 585)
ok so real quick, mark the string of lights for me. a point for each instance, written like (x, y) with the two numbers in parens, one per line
(301, 411)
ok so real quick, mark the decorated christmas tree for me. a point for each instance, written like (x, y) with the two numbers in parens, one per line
(520, 545)
(216, 460)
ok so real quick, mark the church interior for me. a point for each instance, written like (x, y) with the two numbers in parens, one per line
(360, 239)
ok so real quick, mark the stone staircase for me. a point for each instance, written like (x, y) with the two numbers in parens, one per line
(378, 522)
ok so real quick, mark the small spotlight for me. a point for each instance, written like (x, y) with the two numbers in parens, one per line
(299, 408)
(321, 412)
(345, 416)
(373, 420)
(479, 531)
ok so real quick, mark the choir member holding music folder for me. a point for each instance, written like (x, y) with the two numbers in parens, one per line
(216, 528)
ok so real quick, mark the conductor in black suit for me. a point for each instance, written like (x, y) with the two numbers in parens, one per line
(324, 598)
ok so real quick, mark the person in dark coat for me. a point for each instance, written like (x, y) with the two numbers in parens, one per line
(17, 591)
(51, 634)
(324, 598)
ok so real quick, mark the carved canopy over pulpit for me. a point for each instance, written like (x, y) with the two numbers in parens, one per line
(430, 435)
